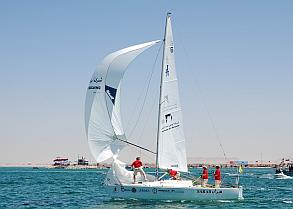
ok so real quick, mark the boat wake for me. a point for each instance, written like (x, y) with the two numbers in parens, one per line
(282, 176)
(266, 176)
(232, 174)
(287, 201)
(229, 201)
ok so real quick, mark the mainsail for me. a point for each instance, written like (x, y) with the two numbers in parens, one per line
(171, 140)
(102, 107)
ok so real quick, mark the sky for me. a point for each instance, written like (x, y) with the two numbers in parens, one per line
(233, 59)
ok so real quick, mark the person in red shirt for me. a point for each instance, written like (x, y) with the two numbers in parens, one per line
(175, 175)
(204, 176)
(138, 168)
(217, 176)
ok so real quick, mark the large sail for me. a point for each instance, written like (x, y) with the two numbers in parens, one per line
(102, 107)
(171, 140)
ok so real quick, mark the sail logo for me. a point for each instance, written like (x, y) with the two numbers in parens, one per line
(167, 71)
(96, 80)
(168, 117)
(94, 87)
(171, 49)
(170, 127)
(111, 92)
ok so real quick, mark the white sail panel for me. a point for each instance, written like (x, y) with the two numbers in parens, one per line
(102, 107)
(116, 116)
(101, 137)
(171, 147)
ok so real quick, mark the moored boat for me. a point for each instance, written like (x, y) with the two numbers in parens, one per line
(285, 167)
(61, 162)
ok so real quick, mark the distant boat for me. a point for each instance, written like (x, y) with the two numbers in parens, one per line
(60, 162)
(82, 161)
(285, 168)
(106, 136)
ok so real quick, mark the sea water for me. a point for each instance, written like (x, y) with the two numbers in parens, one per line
(65, 188)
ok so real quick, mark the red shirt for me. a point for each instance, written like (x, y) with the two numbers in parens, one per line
(172, 173)
(205, 174)
(136, 164)
(217, 174)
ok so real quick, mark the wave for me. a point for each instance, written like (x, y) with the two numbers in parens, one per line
(282, 176)
(266, 176)
(288, 201)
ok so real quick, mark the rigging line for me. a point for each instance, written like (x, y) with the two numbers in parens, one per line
(148, 117)
(127, 142)
(146, 156)
(146, 120)
(110, 118)
(137, 101)
(205, 105)
(147, 90)
(145, 123)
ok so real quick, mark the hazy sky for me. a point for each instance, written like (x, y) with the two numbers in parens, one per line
(234, 62)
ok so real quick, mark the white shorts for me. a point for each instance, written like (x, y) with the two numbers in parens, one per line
(217, 183)
(204, 182)
(138, 170)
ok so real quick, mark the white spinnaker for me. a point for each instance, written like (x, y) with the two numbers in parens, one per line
(171, 148)
(102, 107)
(116, 116)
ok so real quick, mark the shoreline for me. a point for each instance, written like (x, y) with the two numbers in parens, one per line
(105, 166)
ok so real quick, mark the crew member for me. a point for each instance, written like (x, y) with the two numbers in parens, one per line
(217, 176)
(204, 176)
(138, 168)
(175, 175)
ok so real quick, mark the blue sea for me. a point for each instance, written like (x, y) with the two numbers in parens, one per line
(64, 188)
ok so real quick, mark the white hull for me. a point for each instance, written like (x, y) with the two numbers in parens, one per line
(172, 190)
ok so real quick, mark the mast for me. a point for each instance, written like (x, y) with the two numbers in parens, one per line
(160, 99)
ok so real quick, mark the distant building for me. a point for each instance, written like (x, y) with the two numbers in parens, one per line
(239, 162)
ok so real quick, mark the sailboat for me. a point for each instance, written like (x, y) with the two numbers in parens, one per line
(106, 136)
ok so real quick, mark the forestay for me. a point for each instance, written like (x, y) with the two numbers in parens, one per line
(171, 140)
(102, 107)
